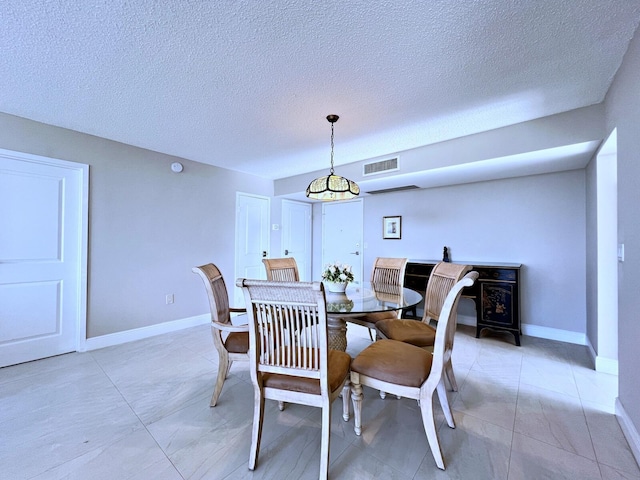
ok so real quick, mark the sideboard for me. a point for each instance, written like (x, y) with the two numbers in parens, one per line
(496, 293)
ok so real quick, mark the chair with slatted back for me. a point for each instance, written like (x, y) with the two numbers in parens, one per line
(235, 346)
(411, 372)
(387, 272)
(421, 334)
(289, 356)
(281, 269)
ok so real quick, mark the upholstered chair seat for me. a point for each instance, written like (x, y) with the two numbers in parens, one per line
(337, 371)
(395, 362)
(237, 342)
(409, 331)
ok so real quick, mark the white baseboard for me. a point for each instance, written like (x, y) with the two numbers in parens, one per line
(118, 338)
(600, 363)
(554, 334)
(628, 429)
(536, 331)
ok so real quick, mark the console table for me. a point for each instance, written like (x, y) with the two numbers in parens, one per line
(496, 293)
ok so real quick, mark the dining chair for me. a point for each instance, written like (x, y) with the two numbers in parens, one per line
(281, 269)
(386, 271)
(409, 371)
(420, 333)
(289, 357)
(235, 345)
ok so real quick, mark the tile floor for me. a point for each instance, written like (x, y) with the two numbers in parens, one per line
(141, 411)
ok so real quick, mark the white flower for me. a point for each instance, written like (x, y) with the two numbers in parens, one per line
(337, 272)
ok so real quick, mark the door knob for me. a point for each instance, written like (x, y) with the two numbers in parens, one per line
(355, 253)
(264, 254)
(286, 252)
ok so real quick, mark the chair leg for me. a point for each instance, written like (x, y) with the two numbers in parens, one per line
(444, 403)
(324, 444)
(346, 394)
(370, 334)
(280, 405)
(426, 407)
(256, 433)
(356, 397)
(223, 369)
(448, 372)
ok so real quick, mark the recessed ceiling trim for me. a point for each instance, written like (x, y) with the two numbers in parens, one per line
(393, 189)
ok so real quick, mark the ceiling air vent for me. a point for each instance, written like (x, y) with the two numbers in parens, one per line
(382, 166)
(394, 189)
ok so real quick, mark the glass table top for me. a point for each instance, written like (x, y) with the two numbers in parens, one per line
(370, 298)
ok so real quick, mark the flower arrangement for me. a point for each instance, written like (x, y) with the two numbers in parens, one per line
(337, 273)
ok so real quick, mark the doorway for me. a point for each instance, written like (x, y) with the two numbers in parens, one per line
(43, 256)
(296, 235)
(252, 238)
(342, 230)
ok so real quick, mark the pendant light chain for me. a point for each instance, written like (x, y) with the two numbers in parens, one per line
(331, 171)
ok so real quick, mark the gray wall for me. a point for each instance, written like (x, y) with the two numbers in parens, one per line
(147, 225)
(538, 221)
(623, 112)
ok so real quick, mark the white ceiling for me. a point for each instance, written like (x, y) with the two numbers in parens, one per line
(247, 85)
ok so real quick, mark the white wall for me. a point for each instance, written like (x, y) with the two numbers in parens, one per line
(538, 221)
(147, 226)
(623, 113)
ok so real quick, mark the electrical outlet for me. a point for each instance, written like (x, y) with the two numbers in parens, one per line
(169, 298)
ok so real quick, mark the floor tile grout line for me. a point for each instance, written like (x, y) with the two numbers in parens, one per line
(137, 416)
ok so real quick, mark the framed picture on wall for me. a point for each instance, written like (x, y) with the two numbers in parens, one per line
(392, 227)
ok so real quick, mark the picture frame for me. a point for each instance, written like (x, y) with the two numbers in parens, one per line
(392, 228)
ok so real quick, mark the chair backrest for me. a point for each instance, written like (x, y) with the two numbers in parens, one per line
(442, 279)
(285, 318)
(281, 269)
(389, 271)
(443, 345)
(216, 292)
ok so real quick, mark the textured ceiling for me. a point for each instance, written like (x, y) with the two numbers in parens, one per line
(247, 84)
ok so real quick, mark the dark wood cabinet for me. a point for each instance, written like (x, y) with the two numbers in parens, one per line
(496, 293)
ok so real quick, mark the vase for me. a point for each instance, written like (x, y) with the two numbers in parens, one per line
(336, 287)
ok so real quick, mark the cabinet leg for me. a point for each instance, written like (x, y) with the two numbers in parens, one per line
(517, 336)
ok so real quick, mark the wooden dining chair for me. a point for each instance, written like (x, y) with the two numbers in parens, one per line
(289, 357)
(235, 345)
(409, 371)
(422, 334)
(281, 269)
(386, 271)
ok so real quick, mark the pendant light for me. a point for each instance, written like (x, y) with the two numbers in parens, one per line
(332, 187)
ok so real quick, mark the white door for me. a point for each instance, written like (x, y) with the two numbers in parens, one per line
(342, 224)
(296, 235)
(43, 225)
(252, 238)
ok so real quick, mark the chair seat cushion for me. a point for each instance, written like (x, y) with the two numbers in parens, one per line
(337, 371)
(408, 331)
(394, 362)
(237, 342)
(371, 319)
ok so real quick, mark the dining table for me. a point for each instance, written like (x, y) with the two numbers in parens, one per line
(360, 299)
